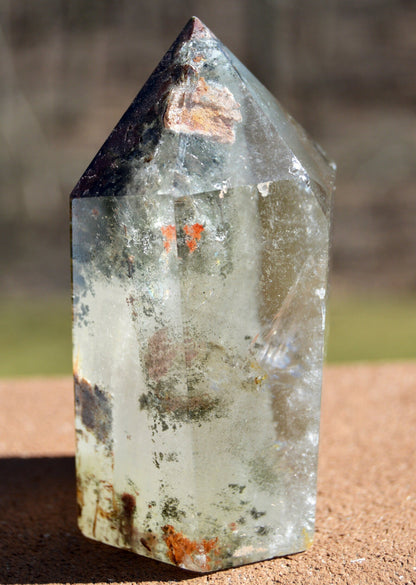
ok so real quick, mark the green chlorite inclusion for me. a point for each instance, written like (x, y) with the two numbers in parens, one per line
(199, 256)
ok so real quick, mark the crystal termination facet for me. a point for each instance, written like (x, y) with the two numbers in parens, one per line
(199, 254)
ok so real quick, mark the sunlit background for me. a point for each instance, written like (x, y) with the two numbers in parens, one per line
(344, 68)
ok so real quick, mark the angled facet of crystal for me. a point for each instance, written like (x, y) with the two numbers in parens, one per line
(200, 252)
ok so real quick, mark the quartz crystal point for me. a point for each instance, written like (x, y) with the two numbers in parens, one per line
(200, 252)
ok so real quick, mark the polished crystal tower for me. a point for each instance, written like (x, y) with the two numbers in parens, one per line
(199, 256)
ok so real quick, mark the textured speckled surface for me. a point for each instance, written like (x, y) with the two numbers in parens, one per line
(366, 514)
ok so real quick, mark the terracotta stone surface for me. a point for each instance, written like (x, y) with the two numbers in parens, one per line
(366, 516)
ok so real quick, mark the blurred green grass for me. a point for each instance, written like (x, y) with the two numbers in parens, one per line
(35, 335)
(366, 328)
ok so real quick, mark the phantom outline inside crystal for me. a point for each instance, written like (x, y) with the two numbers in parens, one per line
(200, 236)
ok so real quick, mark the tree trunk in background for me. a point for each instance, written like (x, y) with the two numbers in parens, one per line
(267, 24)
(171, 18)
(288, 47)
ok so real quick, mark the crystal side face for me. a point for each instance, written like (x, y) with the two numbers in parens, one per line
(199, 251)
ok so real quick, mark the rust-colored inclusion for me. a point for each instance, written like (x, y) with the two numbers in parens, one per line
(181, 549)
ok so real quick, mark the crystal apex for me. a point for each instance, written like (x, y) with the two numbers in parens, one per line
(110, 170)
(198, 28)
(194, 100)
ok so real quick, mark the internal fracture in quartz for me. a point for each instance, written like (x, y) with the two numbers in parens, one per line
(199, 249)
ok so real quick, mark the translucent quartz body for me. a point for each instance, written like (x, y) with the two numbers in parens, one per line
(200, 247)
(199, 372)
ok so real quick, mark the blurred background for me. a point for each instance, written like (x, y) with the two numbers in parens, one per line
(345, 69)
